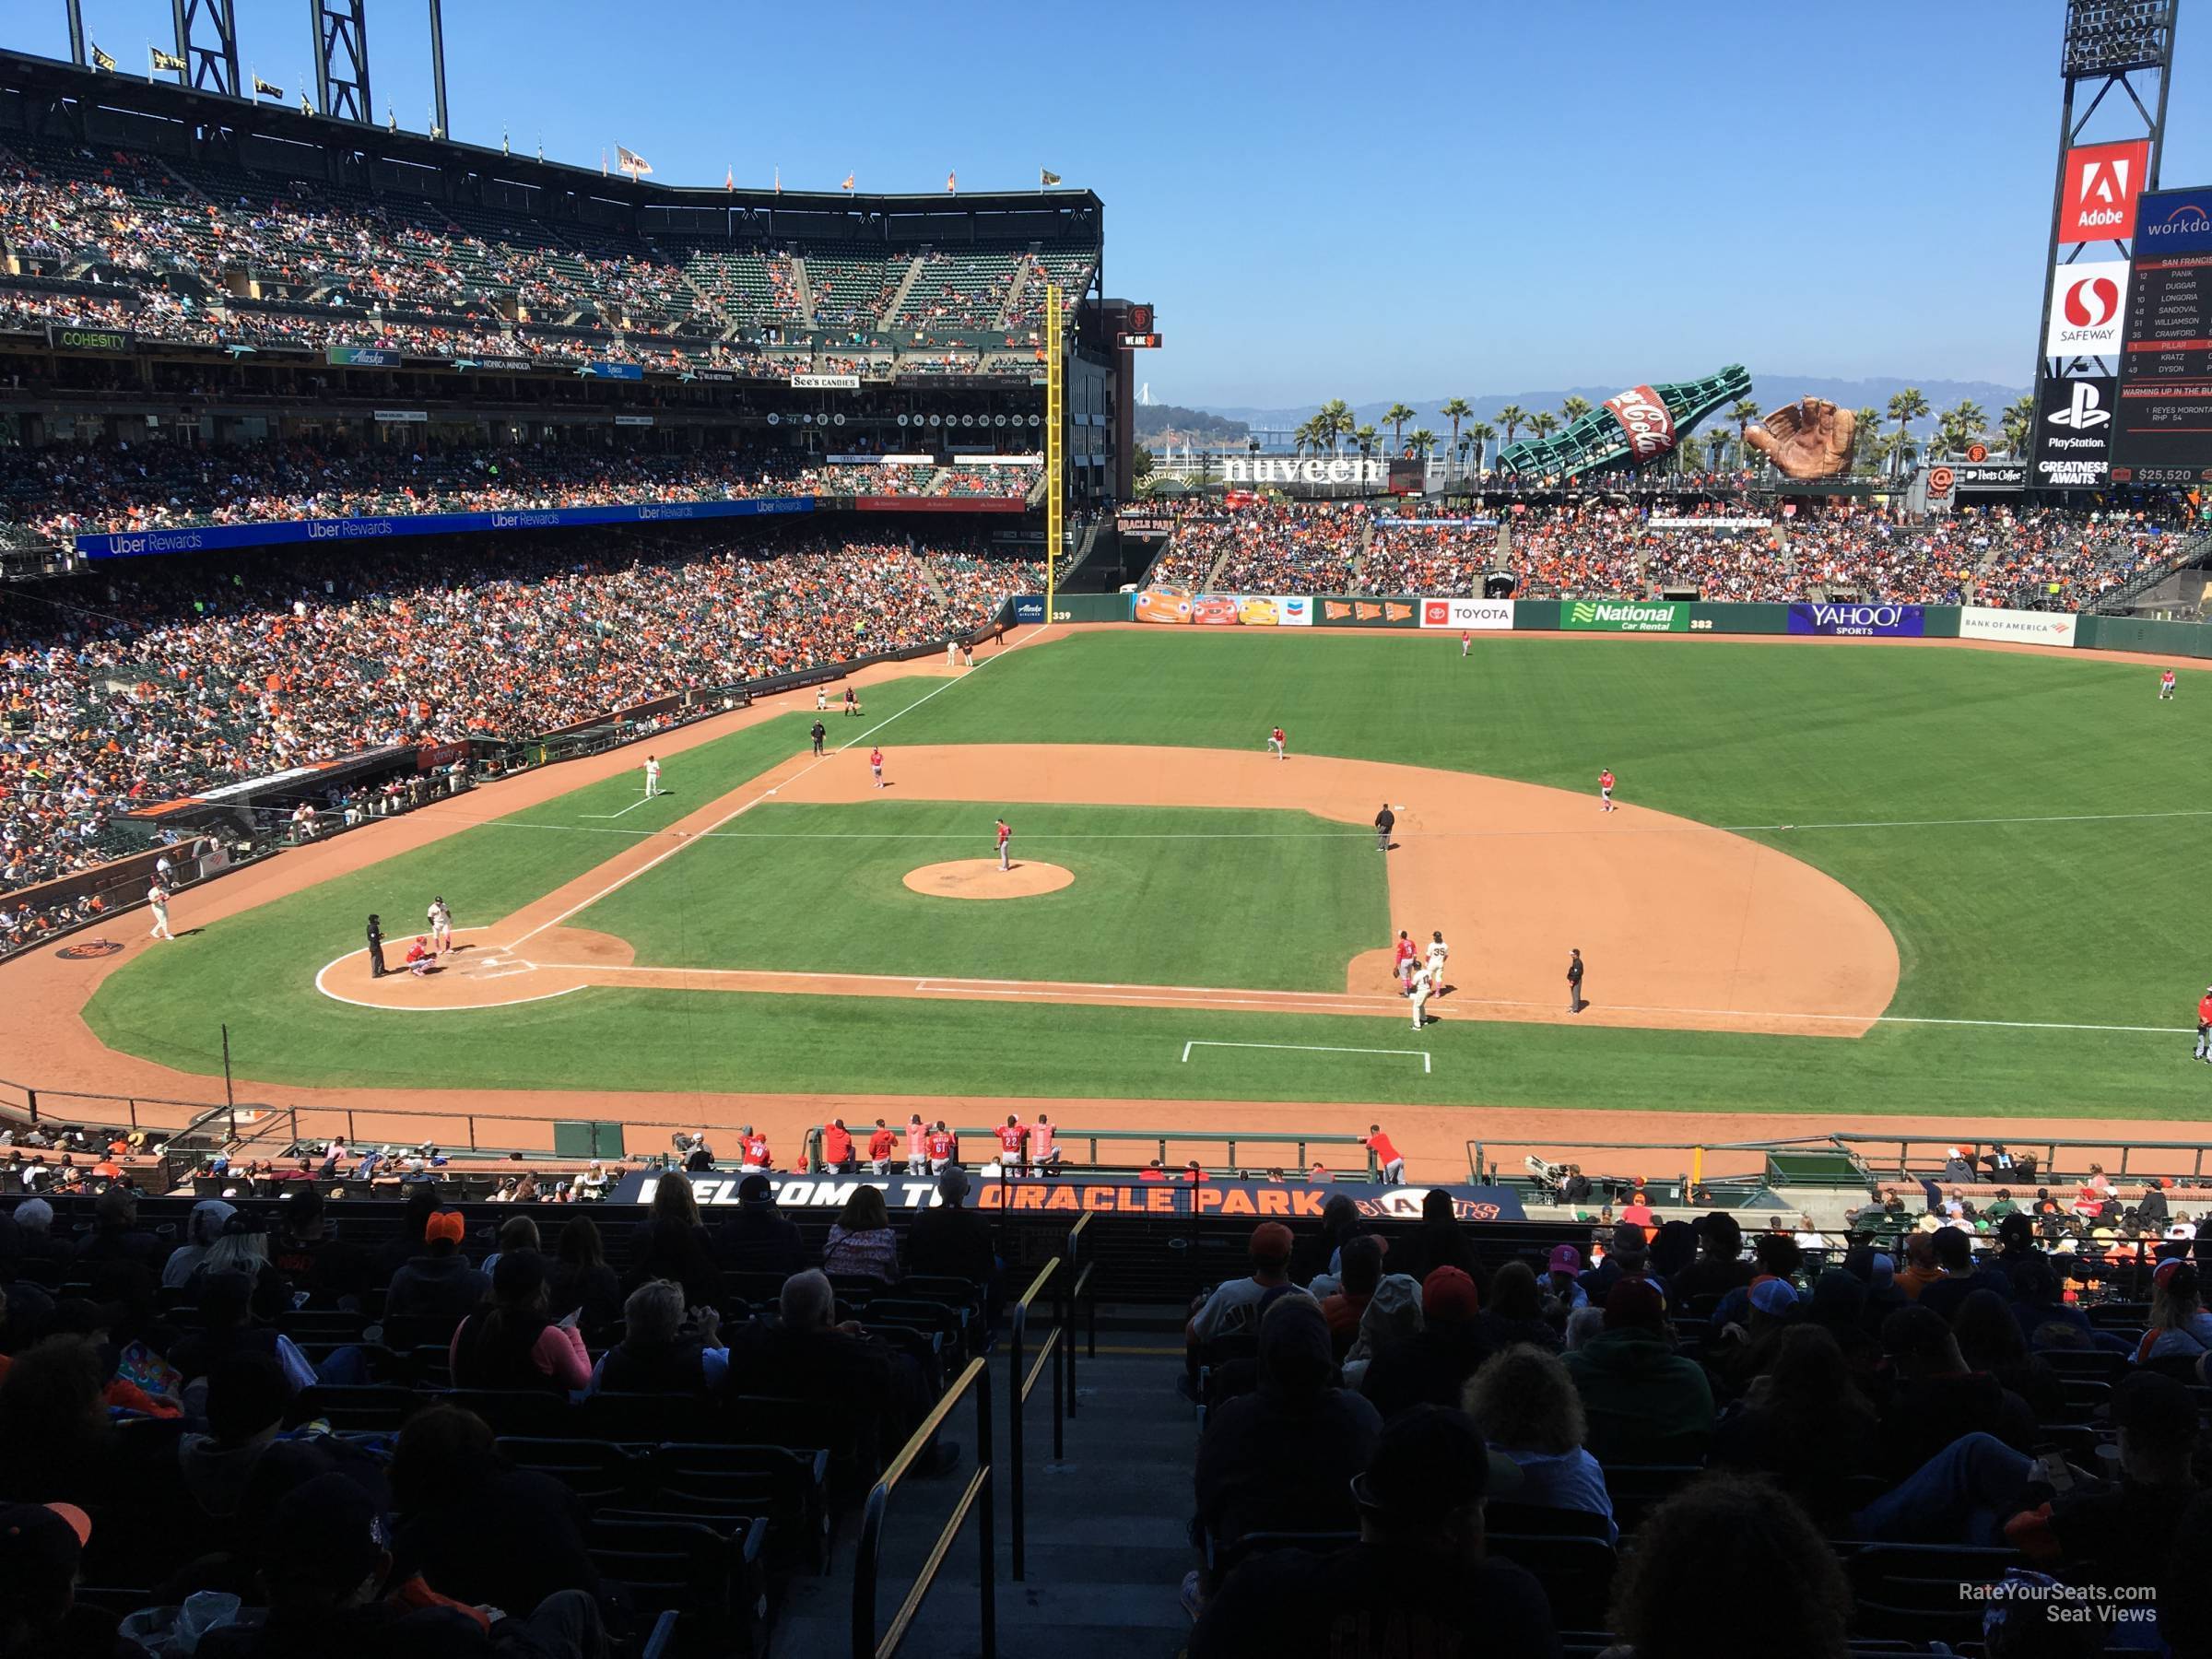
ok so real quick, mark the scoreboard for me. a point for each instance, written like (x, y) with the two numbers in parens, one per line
(2162, 424)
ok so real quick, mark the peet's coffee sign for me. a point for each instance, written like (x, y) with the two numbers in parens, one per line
(1312, 469)
(1258, 1200)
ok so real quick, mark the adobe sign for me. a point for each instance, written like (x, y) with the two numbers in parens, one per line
(2102, 185)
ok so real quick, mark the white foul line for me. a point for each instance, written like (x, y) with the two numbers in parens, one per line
(631, 807)
(1305, 1048)
(661, 858)
(2068, 817)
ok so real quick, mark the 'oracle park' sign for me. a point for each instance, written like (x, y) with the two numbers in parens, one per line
(1075, 1194)
(1311, 469)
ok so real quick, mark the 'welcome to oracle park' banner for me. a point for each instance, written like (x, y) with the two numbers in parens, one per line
(213, 537)
(1074, 1194)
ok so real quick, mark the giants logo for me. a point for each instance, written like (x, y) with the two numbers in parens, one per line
(1647, 421)
(2102, 181)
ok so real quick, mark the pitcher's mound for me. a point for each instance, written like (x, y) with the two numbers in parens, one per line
(982, 879)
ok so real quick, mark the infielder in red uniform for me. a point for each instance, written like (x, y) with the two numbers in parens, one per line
(876, 764)
(1277, 745)
(1401, 962)
(1604, 790)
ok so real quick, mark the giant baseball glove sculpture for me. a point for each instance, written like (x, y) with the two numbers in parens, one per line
(1808, 439)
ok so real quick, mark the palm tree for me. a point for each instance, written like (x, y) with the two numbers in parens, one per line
(1308, 435)
(1905, 407)
(1456, 409)
(1512, 417)
(1543, 423)
(1484, 434)
(1742, 413)
(1395, 418)
(1573, 409)
(1365, 438)
(1337, 421)
(1866, 438)
(2018, 424)
(1716, 449)
(1969, 423)
(1423, 442)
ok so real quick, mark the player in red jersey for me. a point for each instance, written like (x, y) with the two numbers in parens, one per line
(1394, 1166)
(2166, 685)
(1277, 745)
(1604, 790)
(881, 1145)
(876, 764)
(1044, 1151)
(752, 1150)
(1401, 963)
(943, 1149)
(917, 1146)
(1006, 835)
(837, 1147)
(1013, 1142)
(2203, 1025)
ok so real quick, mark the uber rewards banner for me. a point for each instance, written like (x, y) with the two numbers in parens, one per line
(1870, 621)
(1074, 1195)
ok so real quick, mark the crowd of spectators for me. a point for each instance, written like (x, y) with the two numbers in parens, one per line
(148, 682)
(167, 1401)
(59, 491)
(1590, 547)
(1731, 1419)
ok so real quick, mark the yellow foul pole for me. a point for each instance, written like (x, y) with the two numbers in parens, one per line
(1055, 444)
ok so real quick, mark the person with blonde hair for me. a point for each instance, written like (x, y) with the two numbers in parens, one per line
(1529, 1410)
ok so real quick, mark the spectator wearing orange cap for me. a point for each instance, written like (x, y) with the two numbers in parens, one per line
(439, 1281)
(1235, 1306)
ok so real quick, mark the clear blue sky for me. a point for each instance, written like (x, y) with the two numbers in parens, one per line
(1357, 201)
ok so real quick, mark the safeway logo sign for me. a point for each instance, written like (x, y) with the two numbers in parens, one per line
(2087, 303)
(2103, 181)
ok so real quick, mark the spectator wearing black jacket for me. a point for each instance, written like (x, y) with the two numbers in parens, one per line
(1720, 1266)
(1939, 1399)
(952, 1239)
(673, 1245)
(439, 1283)
(760, 1238)
(1962, 1274)
(1281, 1459)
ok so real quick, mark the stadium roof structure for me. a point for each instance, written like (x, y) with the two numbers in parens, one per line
(42, 87)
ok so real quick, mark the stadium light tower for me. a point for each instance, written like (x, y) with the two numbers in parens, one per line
(341, 59)
(207, 41)
(2110, 47)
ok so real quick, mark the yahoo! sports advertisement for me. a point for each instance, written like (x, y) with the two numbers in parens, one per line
(1860, 622)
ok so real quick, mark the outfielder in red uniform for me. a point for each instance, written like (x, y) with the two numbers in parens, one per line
(2203, 1025)
(2166, 685)
(1604, 790)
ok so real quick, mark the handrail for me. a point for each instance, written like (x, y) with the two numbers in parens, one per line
(1018, 1385)
(975, 1374)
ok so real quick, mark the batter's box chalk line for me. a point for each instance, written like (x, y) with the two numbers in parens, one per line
(1428, 1064)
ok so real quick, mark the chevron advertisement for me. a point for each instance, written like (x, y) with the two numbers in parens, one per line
(1624, 615)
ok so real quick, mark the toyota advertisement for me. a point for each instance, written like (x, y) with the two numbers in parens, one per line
(1469, 616)
(1860, 622)
(2073, 443)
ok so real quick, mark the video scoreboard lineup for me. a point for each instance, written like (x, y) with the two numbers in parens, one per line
(2162, 424)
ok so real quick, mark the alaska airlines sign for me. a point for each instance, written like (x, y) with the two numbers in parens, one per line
(1291, 469)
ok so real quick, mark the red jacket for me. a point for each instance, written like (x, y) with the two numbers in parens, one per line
(881, 1144)
(836, 1144)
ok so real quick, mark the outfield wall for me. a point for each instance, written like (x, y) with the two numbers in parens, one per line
(1168, 607)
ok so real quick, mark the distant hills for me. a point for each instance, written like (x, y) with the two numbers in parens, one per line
(1769, 390)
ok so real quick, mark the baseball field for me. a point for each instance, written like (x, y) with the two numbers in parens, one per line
(1846, 880)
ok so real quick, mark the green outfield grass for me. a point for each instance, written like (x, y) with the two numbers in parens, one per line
(1892, 765)
(817, 890)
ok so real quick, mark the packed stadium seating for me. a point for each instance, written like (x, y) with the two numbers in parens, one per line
(1644, 1423)
(173, 676)
(208, 252)
(1585, 546)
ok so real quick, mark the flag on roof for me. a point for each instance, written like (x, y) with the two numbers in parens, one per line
(729, 178)
(631, 162)
(952, 180)
(101, 60)
(166, 62)
(1046, 178)
(262, 89)
(848, 183)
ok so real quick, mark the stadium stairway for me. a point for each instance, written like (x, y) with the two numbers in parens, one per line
(804, 290)
(1107, 1535)
(906, 286)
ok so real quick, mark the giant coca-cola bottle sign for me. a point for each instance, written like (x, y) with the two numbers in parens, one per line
(1645, 418)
